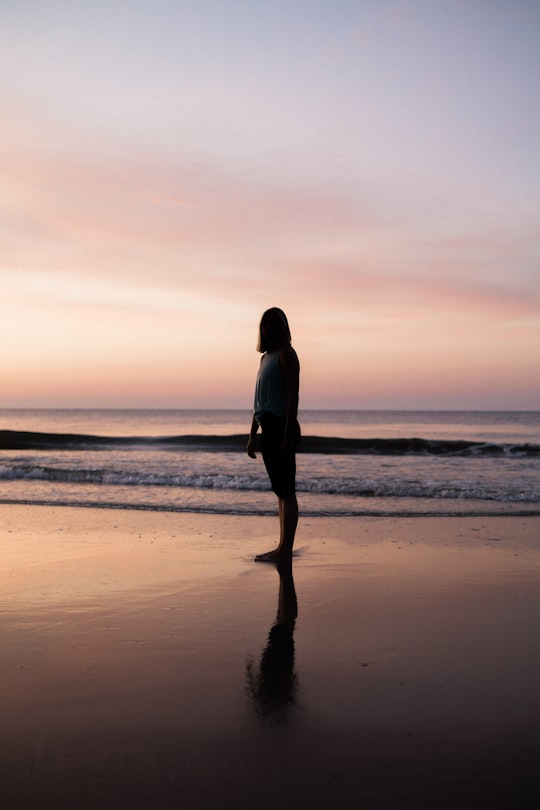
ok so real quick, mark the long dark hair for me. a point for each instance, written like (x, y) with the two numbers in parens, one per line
(285, 337)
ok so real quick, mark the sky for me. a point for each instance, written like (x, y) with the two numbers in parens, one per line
(172, 168)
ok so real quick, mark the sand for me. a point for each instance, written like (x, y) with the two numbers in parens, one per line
(136, 670)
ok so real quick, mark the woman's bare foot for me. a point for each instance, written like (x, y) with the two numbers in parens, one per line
(273, 556)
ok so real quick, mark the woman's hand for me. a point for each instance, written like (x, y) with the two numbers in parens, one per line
(250, 447)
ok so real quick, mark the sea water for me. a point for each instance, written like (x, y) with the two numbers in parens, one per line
(349, 462)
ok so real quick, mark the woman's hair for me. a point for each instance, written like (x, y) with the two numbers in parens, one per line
(283, 339)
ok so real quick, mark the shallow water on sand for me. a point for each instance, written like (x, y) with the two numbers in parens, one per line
(137, 661)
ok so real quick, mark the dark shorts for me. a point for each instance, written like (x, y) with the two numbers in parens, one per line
(281, 468)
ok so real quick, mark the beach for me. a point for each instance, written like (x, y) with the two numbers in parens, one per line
(137, 670)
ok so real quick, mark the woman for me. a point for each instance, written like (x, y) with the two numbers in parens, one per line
(275, 412)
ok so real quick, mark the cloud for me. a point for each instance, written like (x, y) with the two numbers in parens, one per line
(141, 218)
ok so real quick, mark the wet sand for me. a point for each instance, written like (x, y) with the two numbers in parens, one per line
(137, 670)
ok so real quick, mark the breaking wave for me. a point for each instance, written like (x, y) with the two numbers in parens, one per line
(28, 440)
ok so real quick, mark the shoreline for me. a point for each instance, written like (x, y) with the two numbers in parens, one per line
(268, 510)
(137, 670)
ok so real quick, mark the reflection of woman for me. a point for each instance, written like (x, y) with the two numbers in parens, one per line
(275, 412)
(274, 687)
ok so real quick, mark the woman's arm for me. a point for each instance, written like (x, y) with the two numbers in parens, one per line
(253, 432)
(251, 440)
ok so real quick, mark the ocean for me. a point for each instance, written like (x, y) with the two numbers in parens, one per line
(353, 463)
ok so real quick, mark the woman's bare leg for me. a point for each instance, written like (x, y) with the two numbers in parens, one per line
(288, 521)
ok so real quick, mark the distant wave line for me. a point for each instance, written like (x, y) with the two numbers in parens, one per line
(29, 440)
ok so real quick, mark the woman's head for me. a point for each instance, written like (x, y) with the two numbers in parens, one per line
(274, 332)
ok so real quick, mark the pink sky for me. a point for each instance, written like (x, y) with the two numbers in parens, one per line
(372, 168)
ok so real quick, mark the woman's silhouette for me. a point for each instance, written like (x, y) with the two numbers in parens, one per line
(275, 412)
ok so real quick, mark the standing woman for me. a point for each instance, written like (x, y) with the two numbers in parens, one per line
(275, 412)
